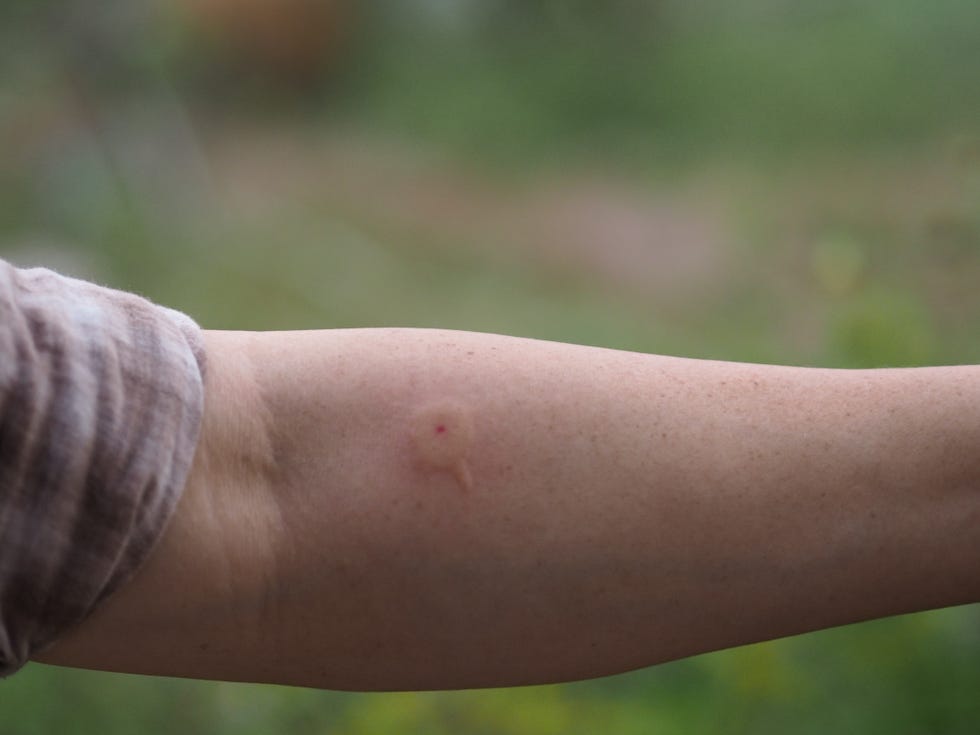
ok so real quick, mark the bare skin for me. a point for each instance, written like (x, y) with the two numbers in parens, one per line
(581, 511)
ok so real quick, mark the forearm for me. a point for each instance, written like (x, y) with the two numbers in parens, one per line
(604, 510)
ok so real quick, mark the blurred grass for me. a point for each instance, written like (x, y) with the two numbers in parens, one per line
(822, 165)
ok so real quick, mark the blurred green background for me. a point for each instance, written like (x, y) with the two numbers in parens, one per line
(765, 180)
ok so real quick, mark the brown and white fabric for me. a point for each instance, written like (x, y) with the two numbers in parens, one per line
(101, 397)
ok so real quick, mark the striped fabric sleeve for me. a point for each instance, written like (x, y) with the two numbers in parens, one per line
(101, 398)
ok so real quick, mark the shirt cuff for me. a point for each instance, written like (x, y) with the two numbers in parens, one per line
(101, 399)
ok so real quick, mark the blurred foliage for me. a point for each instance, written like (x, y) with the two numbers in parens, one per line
(668, 77)
(764, 180)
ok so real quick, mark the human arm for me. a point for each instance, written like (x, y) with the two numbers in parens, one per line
(613, 510)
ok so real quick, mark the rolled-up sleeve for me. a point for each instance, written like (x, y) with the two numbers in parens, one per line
(101, 398)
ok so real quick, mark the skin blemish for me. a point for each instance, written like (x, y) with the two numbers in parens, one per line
(442, 435)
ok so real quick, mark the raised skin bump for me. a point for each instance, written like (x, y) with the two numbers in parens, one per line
(442, 434)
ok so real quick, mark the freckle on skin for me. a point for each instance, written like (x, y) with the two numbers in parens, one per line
(442, 434)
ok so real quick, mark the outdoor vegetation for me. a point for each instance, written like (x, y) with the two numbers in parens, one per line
(766, 180)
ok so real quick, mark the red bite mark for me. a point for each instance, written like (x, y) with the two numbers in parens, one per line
(441, 429)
